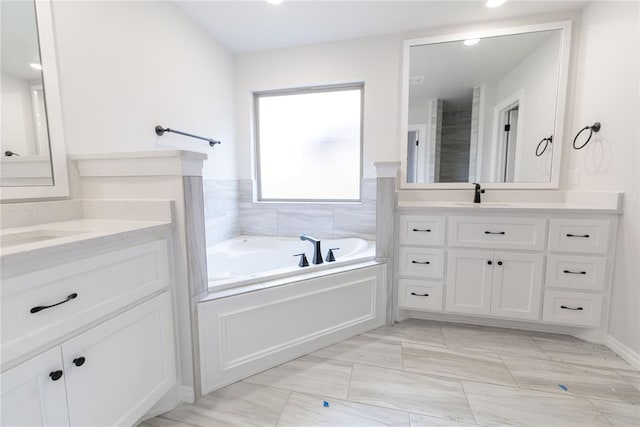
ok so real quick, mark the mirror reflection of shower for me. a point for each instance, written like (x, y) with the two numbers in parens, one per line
(465, 96)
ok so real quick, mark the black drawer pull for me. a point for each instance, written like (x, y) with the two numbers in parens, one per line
(426, 230)
(419, 295)
(574, 272)
(564, 307)
(494, 232)
(44, 307)
(420, 262)
(55, 375)
(79, 361)
(585, 236)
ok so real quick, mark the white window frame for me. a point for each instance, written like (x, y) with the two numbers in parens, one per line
(296, 91)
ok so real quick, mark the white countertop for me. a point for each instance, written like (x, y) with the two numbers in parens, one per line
(72, 234)
(510, 206)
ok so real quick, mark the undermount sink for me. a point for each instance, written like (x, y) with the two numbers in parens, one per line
(479, 205)
(34, 236)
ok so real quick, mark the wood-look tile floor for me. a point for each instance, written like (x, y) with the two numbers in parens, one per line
(421, 373)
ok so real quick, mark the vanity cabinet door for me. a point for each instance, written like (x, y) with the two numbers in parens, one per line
(118, 370)
(517, 285)
(33, 393)
(469, 275)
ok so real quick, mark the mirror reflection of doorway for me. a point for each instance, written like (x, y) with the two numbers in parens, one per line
(413, 151)
(511, 139)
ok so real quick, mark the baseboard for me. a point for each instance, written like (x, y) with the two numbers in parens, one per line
(623, 351)
(186, 394)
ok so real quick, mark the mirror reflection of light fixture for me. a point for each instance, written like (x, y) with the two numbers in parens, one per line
(36, 65)
(471, 42)
(495, 3)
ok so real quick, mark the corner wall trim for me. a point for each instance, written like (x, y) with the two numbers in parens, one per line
(186, 394)
(623, 351)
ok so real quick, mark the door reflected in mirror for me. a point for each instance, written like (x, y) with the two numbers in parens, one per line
(24, 137)
(479, 109)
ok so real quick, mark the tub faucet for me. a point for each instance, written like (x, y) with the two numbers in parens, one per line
(477, 192)
(317, 254)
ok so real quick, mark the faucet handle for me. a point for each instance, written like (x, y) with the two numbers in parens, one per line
(303, 260)
(330, 257)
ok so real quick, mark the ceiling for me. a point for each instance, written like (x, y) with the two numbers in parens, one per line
(248, 25)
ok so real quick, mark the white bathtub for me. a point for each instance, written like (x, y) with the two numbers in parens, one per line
(253, 259)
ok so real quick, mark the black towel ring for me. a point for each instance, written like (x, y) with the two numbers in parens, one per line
(593, 128)
(548, 140)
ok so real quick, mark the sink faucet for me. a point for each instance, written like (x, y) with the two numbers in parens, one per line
(317, 254)
(477, 192)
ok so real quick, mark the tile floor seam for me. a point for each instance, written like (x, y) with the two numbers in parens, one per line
(283, 408)
(473, 414)
(600, 412)
(509, 370)
(363, 404)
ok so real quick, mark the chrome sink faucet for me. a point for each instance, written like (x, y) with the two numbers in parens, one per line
(477, 192)
(317, 254)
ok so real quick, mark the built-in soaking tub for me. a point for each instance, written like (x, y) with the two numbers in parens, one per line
(252, 259)
(263, 310)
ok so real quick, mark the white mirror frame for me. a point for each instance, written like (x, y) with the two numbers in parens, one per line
(558, 134)
(60, 187)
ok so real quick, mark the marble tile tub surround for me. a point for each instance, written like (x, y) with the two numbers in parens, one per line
(425, 373)
(230, 211)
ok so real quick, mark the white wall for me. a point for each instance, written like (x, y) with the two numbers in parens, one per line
(375, 61)
(537, 77)
(127, 66)
(17, 131)
(608, 90)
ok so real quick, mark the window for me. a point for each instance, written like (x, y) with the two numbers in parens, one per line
(308, 143)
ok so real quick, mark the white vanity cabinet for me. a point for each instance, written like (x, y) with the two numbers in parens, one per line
(577, 277)
(33, 393)
(539, 266)
(504, 284)
(104, 356)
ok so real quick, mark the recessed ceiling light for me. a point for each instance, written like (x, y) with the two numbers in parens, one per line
(274, 1)
(495, 3)
(471, 42)
(36, 66)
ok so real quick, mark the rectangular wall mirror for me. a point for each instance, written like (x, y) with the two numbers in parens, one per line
(32, 157)
(485, 107)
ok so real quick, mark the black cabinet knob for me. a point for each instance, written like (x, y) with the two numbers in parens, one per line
(499, 262)
(489, 262)
(79, 361)
(56, 375)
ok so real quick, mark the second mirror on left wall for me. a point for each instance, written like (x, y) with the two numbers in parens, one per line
(32, 157)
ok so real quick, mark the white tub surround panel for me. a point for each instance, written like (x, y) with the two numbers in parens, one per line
(508, 263)
(147, 176)
(386, 201)
(94, 312)
(244, 334)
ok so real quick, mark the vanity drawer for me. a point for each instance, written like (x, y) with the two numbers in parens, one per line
(577, 272)
(42, 306)
(499, 233)
(421, 262)
(572, 308)
(421, 230)
(419, 295)
(579, 235)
